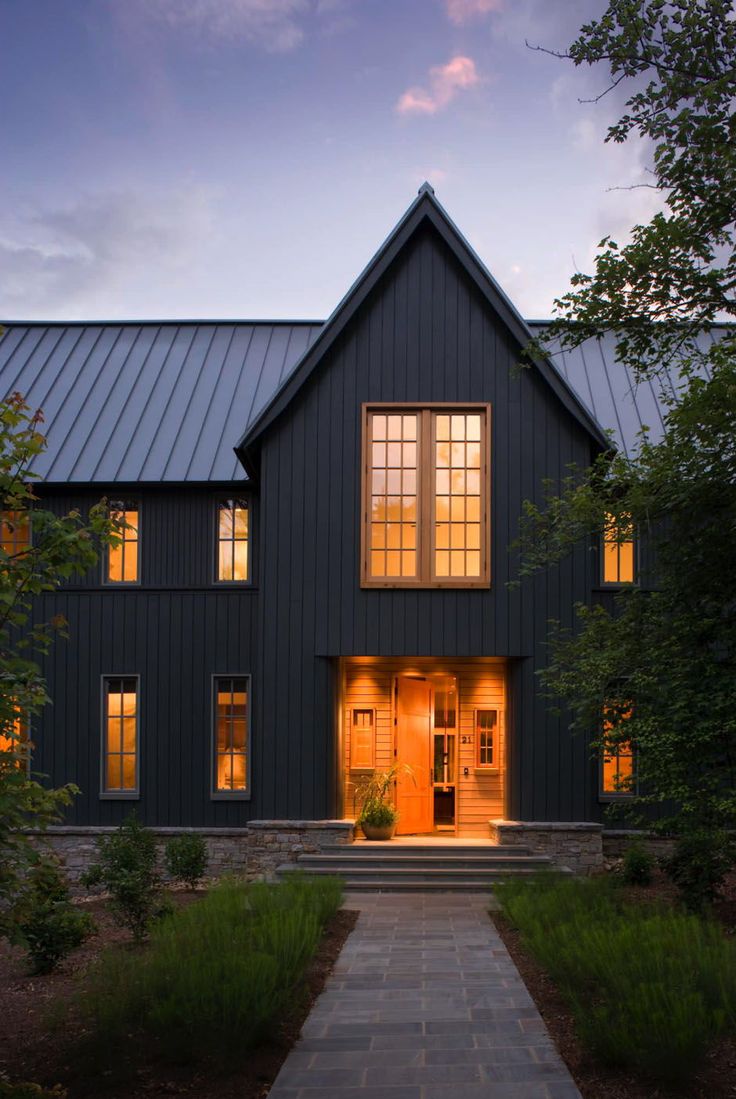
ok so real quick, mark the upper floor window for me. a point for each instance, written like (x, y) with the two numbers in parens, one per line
(618, 551)
(230, 735)
(120, 736)
(232, 541)
(122, 559)
(618, 759)
(15, 532)
(426, 496)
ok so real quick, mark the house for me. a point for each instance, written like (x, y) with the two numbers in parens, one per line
(314, 581)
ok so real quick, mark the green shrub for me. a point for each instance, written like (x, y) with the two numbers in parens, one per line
(186, 858)
(31, 1091)
(126, 868)
(44, 921)
(638, 866)
(652, 989)
(216, 974)
(698, 865)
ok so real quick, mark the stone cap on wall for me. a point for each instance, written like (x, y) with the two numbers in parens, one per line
(547, 825)
(303, 825)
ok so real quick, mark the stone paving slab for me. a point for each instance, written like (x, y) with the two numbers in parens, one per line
(424, 1002)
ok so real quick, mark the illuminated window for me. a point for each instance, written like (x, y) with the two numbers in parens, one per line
(618, 761)
(618, 552)
(232, 540)
(231, 735)
(486, 727)
(426, 497)
(15, 745)
(363, 740)
(120, 735)
(122, 560)
(15, 532)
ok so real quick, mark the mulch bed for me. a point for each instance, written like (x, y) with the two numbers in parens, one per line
(717, 1080)
(33, 1049)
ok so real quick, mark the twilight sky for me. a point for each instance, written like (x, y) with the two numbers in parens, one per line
(245, 158)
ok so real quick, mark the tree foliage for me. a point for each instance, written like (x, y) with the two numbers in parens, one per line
(39, 550)
(661, 660)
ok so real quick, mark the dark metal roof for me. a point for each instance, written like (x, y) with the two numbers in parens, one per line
(166, 401)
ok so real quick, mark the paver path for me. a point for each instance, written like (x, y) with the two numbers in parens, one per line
(424, 1003)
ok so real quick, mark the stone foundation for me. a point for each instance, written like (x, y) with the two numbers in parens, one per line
(576, 845)
(616, 840)
(252, 852)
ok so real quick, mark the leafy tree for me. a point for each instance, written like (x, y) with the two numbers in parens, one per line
(661, 661)
(38, 550)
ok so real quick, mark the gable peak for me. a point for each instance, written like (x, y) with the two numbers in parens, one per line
(426, 189)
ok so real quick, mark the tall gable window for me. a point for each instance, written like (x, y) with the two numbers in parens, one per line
(425, 496)
(122, 559)
(232, 541)
(618, 552)
(120, 736)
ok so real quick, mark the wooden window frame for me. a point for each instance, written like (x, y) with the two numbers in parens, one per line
(119, 795)
(425, 494)
(487, 768)
(231, 795)
(352, 710)
(613, 584)
(129, 502)
(221, 499)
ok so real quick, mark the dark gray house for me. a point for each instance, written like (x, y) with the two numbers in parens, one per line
(315, 579)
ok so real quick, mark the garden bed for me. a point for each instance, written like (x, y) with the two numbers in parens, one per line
(31, 1049)
(716, 1079)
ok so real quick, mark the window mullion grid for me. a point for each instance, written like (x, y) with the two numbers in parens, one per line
(425, 508)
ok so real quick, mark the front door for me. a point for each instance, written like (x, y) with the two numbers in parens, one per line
(413, 747)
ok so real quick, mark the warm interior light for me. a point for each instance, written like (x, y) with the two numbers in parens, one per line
(457, 501)
(231, 734)
(122, 560)
(618, 551)
(393, 492)
(232, 541)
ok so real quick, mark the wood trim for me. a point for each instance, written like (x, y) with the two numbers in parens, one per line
(487, 768)
(425, 492)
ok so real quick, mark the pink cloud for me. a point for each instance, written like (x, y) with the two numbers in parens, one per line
(445, 81)
(461, 11)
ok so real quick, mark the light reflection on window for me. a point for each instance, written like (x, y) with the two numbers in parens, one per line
(232, 540)
(457, 499)
(393, 495)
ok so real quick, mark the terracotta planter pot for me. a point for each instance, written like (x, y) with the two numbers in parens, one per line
(378, 831)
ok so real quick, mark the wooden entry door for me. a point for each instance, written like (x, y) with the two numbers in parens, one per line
(413, 747)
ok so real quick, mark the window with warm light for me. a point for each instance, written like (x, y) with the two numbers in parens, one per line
(231, 719)
(232, 541)
(120, 736)
(618, 551)
(15, 745)
(426, 496)
(486, 726)
(363, 740)
(122, 559)
(15, 532)
(618, 761)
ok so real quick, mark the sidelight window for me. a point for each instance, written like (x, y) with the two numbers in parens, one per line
(426, 497)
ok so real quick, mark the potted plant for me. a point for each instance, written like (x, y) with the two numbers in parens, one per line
(378, 816)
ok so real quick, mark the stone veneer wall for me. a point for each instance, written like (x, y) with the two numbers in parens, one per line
(254, 851)
(616, 840)
(577, 845)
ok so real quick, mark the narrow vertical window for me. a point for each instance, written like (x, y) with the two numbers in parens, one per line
(120, 735)
(231, 735)
(15, 744)
(457, 495)
(392, 455)
(486, 725)
(618, 552)
(15, 532)
(232, 540)
(618, 761)
(122, 559)
(363, 740)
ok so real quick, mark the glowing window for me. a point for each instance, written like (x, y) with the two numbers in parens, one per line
(231, 735)
(120, 735)
(15, 532)
(122, 559)
(618, 761)
(486, 724)
(618, 552)
(15, 745)
(426, 497)
(363, 740)
(232, 541)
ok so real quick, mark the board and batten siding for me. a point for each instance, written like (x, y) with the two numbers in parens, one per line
(424, 334)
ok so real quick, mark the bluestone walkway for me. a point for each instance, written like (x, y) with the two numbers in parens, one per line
(424, 1003)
